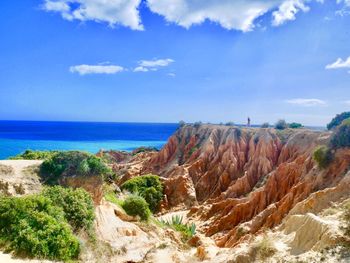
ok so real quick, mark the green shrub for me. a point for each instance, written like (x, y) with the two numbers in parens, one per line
(34, 155)
(265, 125)
(346, 216)
(338, 119)
(295, 125)
(197, 124)
(281, 125)
(137, 206)
(177, 224)
(323, 156)
(147, 186)
(341, 136)
(77, 205)
(33, 226)
(230, 123)
(72, 163)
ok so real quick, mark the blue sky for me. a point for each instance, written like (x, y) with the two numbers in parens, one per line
(171, 60)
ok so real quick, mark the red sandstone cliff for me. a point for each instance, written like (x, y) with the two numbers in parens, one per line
(241, 177)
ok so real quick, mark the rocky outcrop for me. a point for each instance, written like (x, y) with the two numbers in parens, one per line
(241, 177)
(92, 184)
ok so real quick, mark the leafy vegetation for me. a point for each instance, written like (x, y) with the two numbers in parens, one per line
(135, 205)
(110, 195)
(323, 156)
(72, 163)
(265, 125)
(181, 123)
(197, 124)
(341, 135)
(77, 205)
(338, 119)
(144, 149)
(346, 216)
(295, 125)
(33, 226)
(281, 125)
(149, 187)
(230, 123)
(34, 155)
(177, 224)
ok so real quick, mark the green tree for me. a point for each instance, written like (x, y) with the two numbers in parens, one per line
(338, 119)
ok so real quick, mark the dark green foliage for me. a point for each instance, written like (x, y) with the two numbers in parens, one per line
(181, 124)
(77, 205)
(341, 135)
(73, 163)
(265, 125)
(230, 123)
(192, 150)
(33, 226)
(338, 119)
(34, 155)
(137, 206)
(177, 224)
(144, 149)
(295, 125)
(323, 156)
(197, 124)
(147, 186)
(281, 125)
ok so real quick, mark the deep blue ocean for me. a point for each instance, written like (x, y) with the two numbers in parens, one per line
(18, 136)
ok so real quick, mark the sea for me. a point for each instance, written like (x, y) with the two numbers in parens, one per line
(18, 136)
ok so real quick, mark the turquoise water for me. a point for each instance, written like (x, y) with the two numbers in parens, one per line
(17, 136)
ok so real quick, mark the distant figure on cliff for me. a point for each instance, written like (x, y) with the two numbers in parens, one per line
(248, 124)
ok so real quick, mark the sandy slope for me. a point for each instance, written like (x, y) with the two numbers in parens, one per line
(24, 172)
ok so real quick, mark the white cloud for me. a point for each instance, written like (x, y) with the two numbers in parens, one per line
(230, 14)
(152, 65)
(96, 69)
(238, 14)
(141, 69)
(123, 12)
(307, 102)
(287, 11)
(173, 75)
(347, 102)
(339, 63)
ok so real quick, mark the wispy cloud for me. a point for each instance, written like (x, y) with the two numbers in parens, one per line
(96, 69)
(173, 75)
(307, 102)
(152, 65)
(339, 63)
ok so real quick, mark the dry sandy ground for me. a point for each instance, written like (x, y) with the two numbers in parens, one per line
(24, 172)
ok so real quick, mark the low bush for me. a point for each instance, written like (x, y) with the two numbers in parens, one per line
(265, 125)
(264, 249)
(338, 119)
(341, 135)
(295, 125)
(281, 125)
(346, 216)
(323, 156)
(77, 205)
(34, 155)
(137, 206)
(73, 163)
(197, 124)
(147, 186)
(33, 226)
(177, 224)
